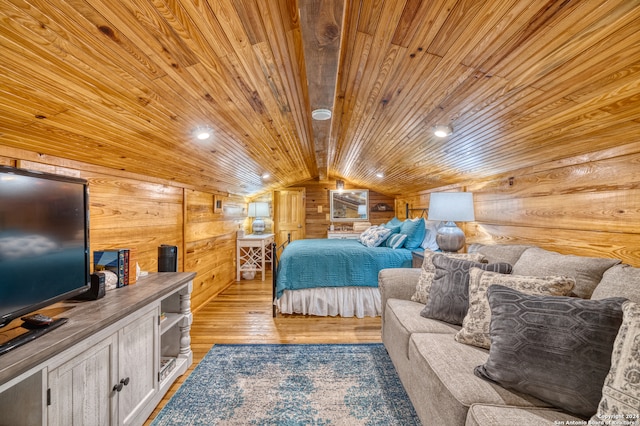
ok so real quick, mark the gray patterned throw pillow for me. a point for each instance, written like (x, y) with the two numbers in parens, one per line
(555, 348)
(475, 325)
(449, 295)
(428, 272)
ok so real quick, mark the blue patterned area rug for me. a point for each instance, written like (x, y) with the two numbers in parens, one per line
(291, 385)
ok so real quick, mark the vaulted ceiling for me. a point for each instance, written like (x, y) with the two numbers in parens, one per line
(124, 83)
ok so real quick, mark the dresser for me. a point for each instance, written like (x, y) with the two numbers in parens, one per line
(343, 235)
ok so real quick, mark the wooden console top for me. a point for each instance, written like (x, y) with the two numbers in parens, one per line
(87, 318)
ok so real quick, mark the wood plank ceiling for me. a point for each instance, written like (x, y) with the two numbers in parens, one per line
(123, 83)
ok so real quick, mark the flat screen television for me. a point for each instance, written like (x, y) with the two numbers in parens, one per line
(44, 240)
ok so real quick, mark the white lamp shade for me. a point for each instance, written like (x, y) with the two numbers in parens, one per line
(451, 206)
(258, 210)
(262, 209)
(252, 210)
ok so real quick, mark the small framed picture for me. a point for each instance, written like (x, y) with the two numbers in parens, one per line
(217, 204)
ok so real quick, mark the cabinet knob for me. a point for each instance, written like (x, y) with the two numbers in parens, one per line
(119, 386)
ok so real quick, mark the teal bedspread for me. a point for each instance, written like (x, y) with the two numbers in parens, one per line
(333, 263)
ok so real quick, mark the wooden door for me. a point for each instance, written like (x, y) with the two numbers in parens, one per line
(289, 214)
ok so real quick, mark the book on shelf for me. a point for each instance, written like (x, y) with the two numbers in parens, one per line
(131, 264)
(166, 365)
(119, 261)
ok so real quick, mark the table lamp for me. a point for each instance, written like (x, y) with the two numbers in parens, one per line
(451, 207)
(258, 211)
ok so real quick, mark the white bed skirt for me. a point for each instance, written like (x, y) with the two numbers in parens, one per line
(357, 302)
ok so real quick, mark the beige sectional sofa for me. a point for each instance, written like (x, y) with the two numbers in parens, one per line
(438, 372)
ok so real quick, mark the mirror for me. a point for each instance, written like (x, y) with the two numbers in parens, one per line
(349, 205)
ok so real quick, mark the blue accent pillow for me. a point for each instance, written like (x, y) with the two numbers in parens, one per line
(394, 228)
(414, 230)
(395, 222)
(395, 241)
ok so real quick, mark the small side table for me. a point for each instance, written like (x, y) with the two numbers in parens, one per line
(417, 257)
(253, 252)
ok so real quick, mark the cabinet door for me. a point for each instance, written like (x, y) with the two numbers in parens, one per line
(138, 364)
(81, 389)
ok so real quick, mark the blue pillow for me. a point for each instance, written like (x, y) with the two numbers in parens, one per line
(395, 241)
(414, 230)
(394, 228)
(395, 222)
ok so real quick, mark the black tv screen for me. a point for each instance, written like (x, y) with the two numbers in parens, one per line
(44, 240)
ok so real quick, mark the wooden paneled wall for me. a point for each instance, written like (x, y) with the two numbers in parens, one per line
(210, 242)
(317, 223)
(141, 213)
(587, 205)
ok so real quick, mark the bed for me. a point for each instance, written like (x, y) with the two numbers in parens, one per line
(330, 277)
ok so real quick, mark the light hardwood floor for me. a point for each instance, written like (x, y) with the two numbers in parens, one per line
(242, 314)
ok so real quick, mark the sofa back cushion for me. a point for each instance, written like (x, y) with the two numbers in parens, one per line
(620, 280)
(449, 295)
(496, 253)
(587, 271)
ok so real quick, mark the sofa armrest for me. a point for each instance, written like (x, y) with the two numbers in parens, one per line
(397, 283)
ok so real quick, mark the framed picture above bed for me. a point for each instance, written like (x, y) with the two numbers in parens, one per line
(349, 205)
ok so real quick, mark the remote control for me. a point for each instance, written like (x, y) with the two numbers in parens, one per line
(37, 320)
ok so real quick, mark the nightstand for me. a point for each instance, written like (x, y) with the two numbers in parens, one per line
(417, 257)
(253, 253)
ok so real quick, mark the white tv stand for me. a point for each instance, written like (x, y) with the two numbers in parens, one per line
(104, 365)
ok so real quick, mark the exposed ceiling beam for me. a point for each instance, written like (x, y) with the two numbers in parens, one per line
(321, 24)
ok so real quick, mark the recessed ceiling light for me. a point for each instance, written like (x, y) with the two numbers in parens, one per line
(442, 130)
(203, 132)
(380, 174)
(266, 175)
(321, 114)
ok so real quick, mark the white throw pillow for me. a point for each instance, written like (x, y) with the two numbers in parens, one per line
(374, 236)
(429, 241)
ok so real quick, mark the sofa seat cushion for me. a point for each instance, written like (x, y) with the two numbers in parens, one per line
(442, 385)
(502, 415)
(403, 319)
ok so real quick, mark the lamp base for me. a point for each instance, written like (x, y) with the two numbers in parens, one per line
(450, 238)
(258, 226)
